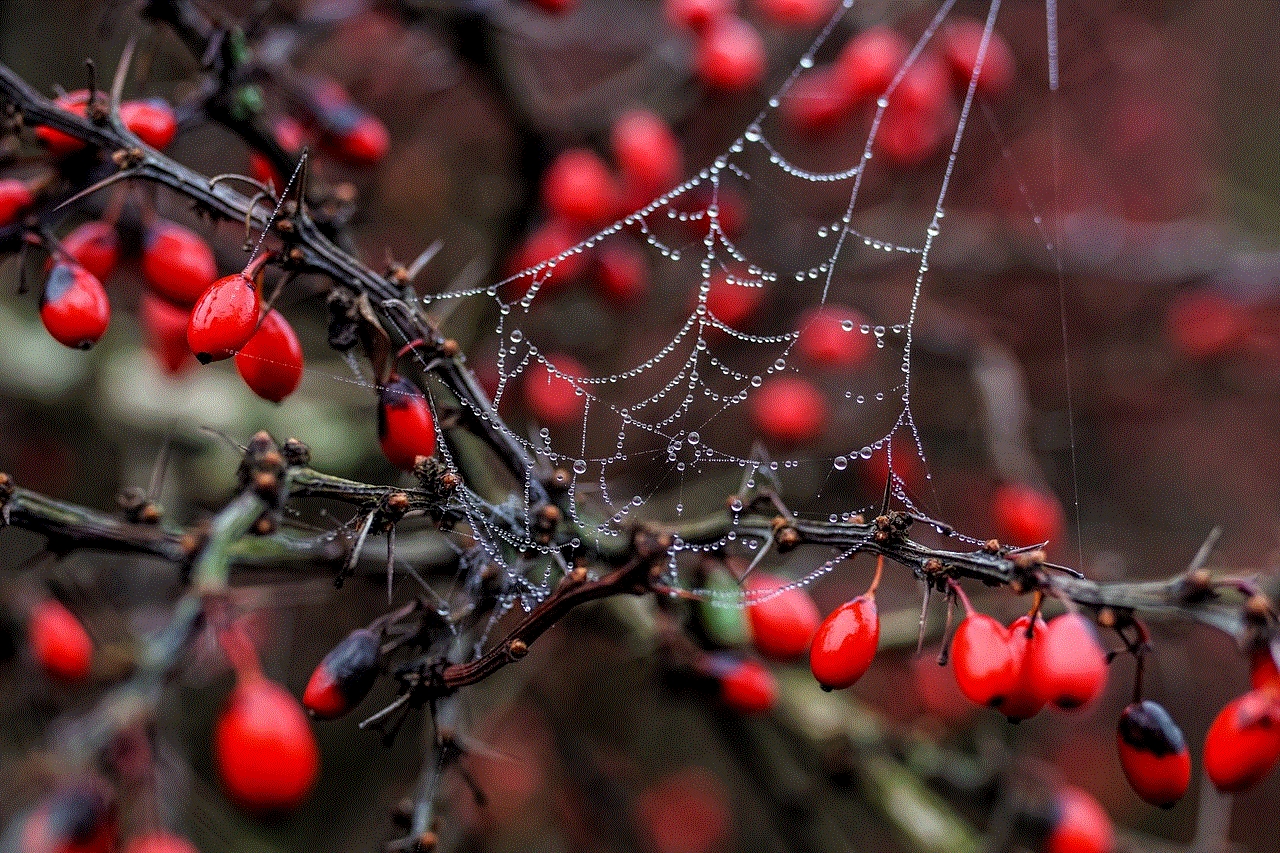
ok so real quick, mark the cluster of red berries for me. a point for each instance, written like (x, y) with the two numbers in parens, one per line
(188, 309)
(921, 110)
(581, 194)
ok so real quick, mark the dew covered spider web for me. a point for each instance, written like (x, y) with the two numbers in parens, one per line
(662, 428)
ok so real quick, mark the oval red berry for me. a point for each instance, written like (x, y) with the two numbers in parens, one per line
(74, 306)
(406, 429)
(1153, 753)
(264, 748)
(224, 318)
(845, 643)
(271, 362)
(783, 617)
(982, 658)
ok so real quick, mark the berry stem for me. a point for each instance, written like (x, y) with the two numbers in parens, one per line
(957, 591)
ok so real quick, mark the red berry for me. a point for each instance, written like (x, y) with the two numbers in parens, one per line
(920, 113)
(59, 143)
(165, 325)
(543, 244)
(1153, 754)
(982, 657)
(15, 196)
(695, 15)
(74, 307)
(815, 101)
(1024, 515)
(59, 642)
(350, 134)
(578, 187)
(730, 54)
(223, 319)
(622, 273)
(845, 643)
(1262, 666)
(961, 38)
(551, 390)
(344, 677)
(290, 135)
(869, 62)
(832, 336)
(406, 429)
(748, 687)
(94, 245)
(1079, 824)
(1205, 324)
(782, 620)
(796, 13)
(733, 297)
(555, 7)
(152, 121)
(176, 262)
(271, 362)
(788, 409)
(647, 153)
(1027, 699)
(263, 745)
(1070, 666)
(1243, 742)
(159, 841)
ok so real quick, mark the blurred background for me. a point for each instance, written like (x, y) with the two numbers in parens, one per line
(1098, 326)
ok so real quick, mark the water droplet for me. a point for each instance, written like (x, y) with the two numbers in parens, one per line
(735, 504)
(840, 463)
(847, 325)
(806, 62)
(693, 438)
(516, 336)
(580, 466)
(865, 453)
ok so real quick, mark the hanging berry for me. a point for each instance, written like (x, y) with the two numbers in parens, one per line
(1027, 698)
(177, 263)
(1078, 824)
(15, 196)
(344, 677)
(224, 318)
(747, 687)
(552, 389)
(731, 54)
(264, 748)
(579, 188)
(406, 429)
(159, 841)
(833, 336)
(647, 153)
(60, 144)
(1025, 515)
(94, 245)
(845, 643)
(271, 362)
(165, 325)
(1070, 665)
(151, 120)
(982, 657)
(74, 306)
(349, 133)
(59, 641)
(788, 410)
(1153, 753)
(1243, 742)
(1262, 666)
(783, 617)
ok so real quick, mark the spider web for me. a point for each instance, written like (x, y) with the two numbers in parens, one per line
(653, 429)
